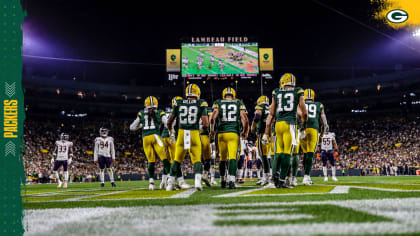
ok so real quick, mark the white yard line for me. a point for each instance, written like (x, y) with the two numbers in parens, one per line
(184, 194)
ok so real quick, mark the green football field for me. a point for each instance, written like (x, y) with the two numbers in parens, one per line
(351, 206)
(249, 64)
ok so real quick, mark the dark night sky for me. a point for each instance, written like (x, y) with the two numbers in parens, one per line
(302, 33)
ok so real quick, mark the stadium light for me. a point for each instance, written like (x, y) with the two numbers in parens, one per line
(416, 33)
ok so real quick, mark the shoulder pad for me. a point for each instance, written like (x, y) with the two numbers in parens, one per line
(299, 90)
(204, 104)
(321, 105)
(139, 114)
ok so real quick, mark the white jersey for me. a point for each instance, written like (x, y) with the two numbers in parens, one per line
(213, 150)
(327, 141)
(243, 146)
(63, 147)
(104, 147)
(254, 149)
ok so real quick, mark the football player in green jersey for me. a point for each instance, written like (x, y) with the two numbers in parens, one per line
(189, 111)
(262, 111)
(206, 149)
(310, 141)
(283, 111)
(149, 121)
(229, 110)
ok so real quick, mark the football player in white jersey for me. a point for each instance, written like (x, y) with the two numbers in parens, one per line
(242, 162)
(63, 154)
(329, 150)
(105, 155)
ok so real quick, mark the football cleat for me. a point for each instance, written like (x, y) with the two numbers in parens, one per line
(184, 185)
(229, 91)
(276, 179)
(102, 185)
(213, 182)
(232, 185)
(193, 90)
(150, 102)
(197, 182)
(59, 184)
(170, 186)
(223, 183)
(241, 181)
(263, 100)
(65, 185)
(288, 79)
(162, 185)
(325, 178)
(270, 185)
(282, 184)
(205, 178)
(113, 185)
(334, 178)
(288, 180)
(305, 180)
(309, 94)
(294, 181)
(152, 186)
(259, 182)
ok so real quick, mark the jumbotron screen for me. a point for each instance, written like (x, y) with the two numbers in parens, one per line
(219, 59)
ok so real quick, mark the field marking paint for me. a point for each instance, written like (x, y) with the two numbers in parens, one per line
(340, 189)
(198, 220)
(282, 217)
(223, 60)
(184, 194)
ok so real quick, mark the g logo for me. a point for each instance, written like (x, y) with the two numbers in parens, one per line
(265, 56)
(397, 16)
(173, 57)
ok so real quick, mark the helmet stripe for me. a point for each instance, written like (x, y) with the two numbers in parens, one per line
(190, 88)
(151, 101)
(309, 93)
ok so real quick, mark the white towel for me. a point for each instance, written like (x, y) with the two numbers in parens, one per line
(187, 139)
(158, 140)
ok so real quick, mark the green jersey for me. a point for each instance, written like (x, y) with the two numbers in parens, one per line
(189, 113)
(265, 111)
(314, 113)
(229, 115)
(150, 126)
(287, 101)
(165, 131)
(206, 131)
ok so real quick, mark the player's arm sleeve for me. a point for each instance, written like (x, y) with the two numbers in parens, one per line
(71, 150)
(323, 116)
(136, 123)
(165, 121)
(112, 149)
(95, 152)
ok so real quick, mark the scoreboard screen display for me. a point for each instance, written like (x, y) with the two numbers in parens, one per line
(219, 59)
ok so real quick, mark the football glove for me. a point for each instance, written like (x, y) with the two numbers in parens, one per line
(264, 139)
(69, 161)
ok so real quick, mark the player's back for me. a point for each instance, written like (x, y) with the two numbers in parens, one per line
(149, 125)
(327, 141)
(229, 115)
(287, 101)
(314, 113)
(189, 113)
(104, 145)
(63, 147)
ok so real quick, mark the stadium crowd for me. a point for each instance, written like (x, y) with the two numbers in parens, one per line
(383, 147)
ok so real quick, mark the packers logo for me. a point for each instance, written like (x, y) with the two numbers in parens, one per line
(397, 16)
(173, 57)
(266, 56)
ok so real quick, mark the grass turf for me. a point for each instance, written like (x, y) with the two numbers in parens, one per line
(207, 196)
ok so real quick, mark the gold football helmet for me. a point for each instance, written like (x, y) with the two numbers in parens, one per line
(174, 99)
(193, 90)
(150, 102)
(263, 100)
(309, 94)
(287, 79)
(229, 91)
